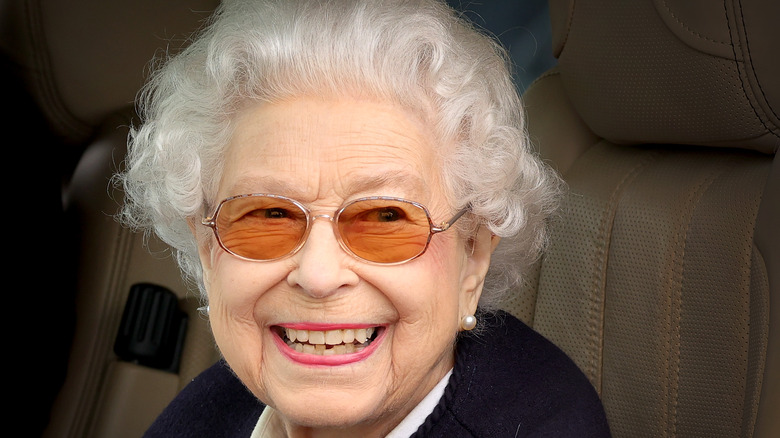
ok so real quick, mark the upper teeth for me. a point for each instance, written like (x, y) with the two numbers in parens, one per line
(330, 337)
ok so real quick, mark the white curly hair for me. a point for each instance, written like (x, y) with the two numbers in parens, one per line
(418, 53)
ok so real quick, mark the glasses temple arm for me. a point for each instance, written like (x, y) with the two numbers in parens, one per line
(446, 225)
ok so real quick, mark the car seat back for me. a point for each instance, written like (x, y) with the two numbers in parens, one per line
(81, 64)
(662, 277)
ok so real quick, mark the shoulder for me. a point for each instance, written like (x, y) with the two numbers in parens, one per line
(214, 404)
(511, 381)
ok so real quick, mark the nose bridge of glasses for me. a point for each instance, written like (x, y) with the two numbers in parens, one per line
(334, 229)
(322, 216)
(331, 218)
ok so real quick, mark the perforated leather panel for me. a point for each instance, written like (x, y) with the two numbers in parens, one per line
(670, 336)
(662, 277)
(659, 79)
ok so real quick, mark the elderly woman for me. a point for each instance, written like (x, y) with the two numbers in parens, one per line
(335, 176)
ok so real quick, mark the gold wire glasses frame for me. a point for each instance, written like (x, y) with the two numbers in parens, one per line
(383, 245)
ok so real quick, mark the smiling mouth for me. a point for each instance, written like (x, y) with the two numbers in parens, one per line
(328, 342)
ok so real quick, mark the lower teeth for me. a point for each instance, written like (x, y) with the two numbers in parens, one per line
(327, 350)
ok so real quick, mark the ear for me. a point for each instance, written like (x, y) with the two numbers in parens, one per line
(477, 264)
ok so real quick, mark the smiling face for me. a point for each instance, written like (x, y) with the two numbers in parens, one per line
(325, 153)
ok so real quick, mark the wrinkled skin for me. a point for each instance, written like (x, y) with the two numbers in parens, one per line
(324, 152)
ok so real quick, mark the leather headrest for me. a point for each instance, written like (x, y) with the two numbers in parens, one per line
(673, 71)
(84, 59)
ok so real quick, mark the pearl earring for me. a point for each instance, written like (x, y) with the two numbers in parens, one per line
(468, 322)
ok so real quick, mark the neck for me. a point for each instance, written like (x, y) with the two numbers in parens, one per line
(353, 431)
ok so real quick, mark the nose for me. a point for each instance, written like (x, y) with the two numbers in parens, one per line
(322, 267)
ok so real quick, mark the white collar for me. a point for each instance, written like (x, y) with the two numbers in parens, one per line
(416, 418)
(270, 426)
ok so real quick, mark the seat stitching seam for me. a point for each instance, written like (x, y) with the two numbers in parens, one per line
(675, 285)
(748, 60)
(689, 30)
(596, 318)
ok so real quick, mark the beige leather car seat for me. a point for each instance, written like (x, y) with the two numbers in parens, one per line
(82, 62)
(662, 279)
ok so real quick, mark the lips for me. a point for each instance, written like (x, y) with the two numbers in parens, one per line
(334, 346)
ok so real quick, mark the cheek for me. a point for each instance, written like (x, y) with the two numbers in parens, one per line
(231, 299)
(425, 296)
(446, 257)
(234, 285)
(231, 287)
(234, 289)
(428, 292)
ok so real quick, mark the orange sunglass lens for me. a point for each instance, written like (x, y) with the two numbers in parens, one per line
(384, 231)
(260, 227)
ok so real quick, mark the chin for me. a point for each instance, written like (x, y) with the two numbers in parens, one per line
(330, 412)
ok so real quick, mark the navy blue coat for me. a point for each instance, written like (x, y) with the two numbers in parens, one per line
(508, 381)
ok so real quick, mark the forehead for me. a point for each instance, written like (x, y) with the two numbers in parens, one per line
(313, 148)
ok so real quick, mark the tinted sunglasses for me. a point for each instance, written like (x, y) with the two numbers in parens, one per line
(377, 229)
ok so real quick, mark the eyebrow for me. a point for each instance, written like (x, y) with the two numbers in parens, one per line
(263, 184)
(410, 184)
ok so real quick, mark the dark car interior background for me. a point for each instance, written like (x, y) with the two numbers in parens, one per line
(661, 281)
